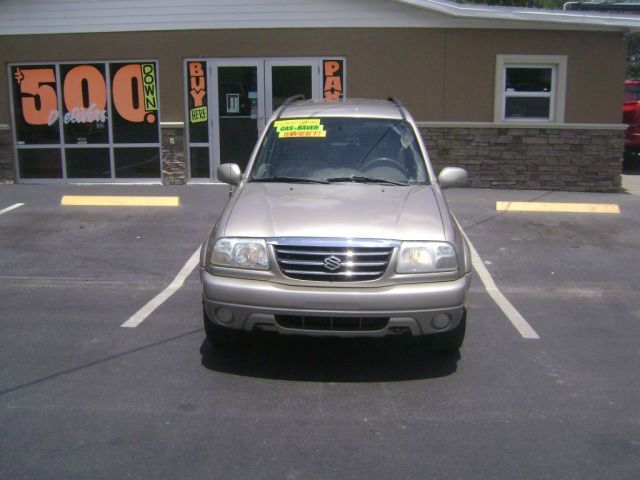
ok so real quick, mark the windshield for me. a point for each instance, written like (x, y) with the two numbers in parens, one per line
(340, 150)
(632, 92)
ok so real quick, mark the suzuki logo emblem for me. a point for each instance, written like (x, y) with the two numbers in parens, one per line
(332, 263)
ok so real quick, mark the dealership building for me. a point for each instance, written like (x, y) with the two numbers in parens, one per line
(158, 91)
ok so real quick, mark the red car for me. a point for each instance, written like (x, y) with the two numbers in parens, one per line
(631, 116)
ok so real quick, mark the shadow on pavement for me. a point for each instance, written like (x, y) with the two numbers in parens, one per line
(329, 360)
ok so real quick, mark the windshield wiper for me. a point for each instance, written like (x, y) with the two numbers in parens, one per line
(287, 180)
(362, 179)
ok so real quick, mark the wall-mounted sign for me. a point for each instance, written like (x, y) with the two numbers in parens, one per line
(73, 104)
(333, 79)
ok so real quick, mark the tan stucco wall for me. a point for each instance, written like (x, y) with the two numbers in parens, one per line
(595, 71)
(441, 75)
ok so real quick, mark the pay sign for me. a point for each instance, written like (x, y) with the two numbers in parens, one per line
(333, 76)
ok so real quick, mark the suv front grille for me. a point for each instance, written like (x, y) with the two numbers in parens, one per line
(344, 324)
(326, 263)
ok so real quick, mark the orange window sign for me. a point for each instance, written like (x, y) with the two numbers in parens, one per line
(84, 94)
(39, 100)
(85, 105)
(198, 111)
(197, 83)
(129, 94)
(333, 73)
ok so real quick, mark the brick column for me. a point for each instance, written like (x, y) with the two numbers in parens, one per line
(7, 171)
(174, 159)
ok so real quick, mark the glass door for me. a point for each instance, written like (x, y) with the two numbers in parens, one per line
(240, 113)
(287, 77)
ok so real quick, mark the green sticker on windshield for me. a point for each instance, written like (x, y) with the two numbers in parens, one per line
(300, 128)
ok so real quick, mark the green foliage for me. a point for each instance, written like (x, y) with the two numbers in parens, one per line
(548, 4)
(633, 55)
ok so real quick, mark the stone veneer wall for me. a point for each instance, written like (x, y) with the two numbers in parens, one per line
(7, 174)
(575, 159)
(174, 156)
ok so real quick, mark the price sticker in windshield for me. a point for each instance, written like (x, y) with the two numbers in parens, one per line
(300, 128)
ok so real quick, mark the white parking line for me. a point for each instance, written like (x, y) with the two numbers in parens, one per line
(165, 294)
(12, 207)
(505, 305)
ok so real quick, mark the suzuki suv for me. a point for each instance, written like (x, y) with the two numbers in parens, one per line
(338, 227)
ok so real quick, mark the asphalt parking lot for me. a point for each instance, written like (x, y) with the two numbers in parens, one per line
(83, 397)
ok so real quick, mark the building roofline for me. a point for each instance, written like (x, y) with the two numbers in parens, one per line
(519, 14)
(18, 17)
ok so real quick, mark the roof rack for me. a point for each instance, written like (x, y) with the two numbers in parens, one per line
(400, 106)
(289, 101)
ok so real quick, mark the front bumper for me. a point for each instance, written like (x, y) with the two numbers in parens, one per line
(250, 305)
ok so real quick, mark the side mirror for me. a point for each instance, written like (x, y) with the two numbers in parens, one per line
(451, 177)
(229, 173)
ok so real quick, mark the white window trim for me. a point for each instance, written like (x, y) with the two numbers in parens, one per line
(558, 64)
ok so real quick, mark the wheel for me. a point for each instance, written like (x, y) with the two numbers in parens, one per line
(218, 336)
(452, 340)
(380, 162)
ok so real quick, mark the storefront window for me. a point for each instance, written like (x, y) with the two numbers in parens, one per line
(35, 104)
(40, 163)
(137, 163)
(134, 103)
(78, 112)
(88, 163)
(199, 162)
(84, 113)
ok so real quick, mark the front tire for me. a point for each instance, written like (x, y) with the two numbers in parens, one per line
(451, 341)
(218, 336)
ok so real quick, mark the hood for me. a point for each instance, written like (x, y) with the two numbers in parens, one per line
(337, 210)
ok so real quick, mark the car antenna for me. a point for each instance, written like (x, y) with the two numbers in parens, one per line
(400, 106)
(289, 101)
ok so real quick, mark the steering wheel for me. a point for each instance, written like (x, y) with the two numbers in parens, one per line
(381, 162)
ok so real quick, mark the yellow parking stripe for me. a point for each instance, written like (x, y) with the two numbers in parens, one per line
(118, 201)
(557, 207)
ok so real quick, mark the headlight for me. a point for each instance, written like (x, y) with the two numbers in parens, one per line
(248, 253)
(426, 257)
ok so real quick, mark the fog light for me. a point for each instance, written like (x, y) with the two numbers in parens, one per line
(440, 321)
(224, 315)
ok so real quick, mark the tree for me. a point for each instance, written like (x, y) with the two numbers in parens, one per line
(633, 55)
(549, 4)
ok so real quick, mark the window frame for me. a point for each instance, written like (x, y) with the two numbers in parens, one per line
(557, 95)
